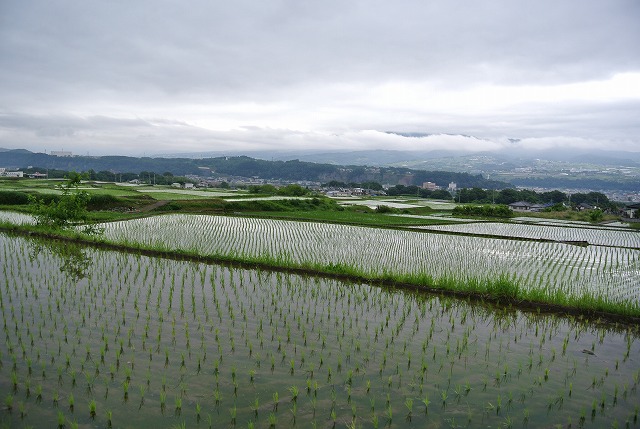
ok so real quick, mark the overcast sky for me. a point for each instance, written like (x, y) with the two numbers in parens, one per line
(149, 77)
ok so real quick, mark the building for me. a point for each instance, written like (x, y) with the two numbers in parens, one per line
(429, 186)
(585, 206)
(540, 207)
(452, 187)
(520, 206)
(7, 173)
(37, 175)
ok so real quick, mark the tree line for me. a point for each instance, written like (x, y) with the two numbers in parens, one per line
(509, 196)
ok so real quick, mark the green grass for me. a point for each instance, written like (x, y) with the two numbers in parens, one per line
(171, 196)
(116, 192)
(352, 217)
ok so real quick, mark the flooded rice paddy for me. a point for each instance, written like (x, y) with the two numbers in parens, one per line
(97, 338)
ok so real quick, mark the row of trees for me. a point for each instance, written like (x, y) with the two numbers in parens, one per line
(483, 196)
(374, 186)
(292, 190)
(149, 177)
(508, 196)
(484, 211)
(412, 190)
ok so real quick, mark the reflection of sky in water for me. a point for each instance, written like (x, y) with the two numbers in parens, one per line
(599, 236)
(17, 218)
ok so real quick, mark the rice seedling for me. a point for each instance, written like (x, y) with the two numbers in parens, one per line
(61, 420)
(178, 405)
(409, 404)
(233, 413)
(92, 409)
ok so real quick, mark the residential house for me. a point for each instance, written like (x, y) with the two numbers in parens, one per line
(520, 206)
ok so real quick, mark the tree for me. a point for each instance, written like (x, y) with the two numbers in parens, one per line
(293, 190)
(66, 211)
(440, 194)
(507, 196)
(596, 215)
(554, 197)
(375, 186)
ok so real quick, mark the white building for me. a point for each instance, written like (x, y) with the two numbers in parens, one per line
(5, 173)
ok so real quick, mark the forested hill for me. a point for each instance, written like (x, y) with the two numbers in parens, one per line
(246, 167)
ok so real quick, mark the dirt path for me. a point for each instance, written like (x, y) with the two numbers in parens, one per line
(152, 206)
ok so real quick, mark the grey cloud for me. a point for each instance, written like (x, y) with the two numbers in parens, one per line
(217, 47)
(88, 71)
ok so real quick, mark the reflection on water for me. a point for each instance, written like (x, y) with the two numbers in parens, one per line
(74, 260)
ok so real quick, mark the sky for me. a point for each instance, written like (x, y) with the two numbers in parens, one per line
(149, 77)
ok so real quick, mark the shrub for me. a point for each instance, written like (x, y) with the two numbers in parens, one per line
(500, 211)
(67, 210)
(385, 209)
(11, 198)
(98, 202)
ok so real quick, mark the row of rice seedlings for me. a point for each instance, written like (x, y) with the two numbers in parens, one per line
(602, 237)
(599, 275)
(231, 340)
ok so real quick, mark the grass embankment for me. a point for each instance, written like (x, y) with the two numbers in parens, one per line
(502, 291)
(348, 217)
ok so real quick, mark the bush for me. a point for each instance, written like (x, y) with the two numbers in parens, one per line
(13, 198)
(98, 202)
(385, 209)
(283, 205)
(596, 215)
(293, 191)
(171, 206)
(500, 211)
(66, 210)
